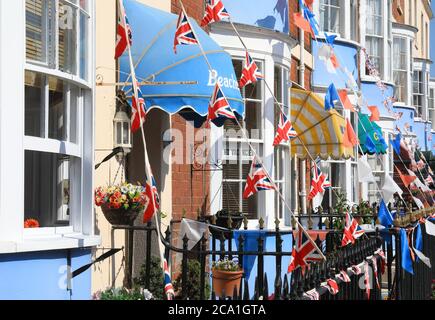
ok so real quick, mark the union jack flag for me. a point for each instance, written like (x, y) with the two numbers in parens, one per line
(169, 289)
(219, 106)
(352, 230)
(250, 73)
(152, 199)
(214, 12)
(332, 286)
(319, 183)
(123, 26)
(285, 131)
(184, 33)
(303, 253)
(257, 180)
(138, 115)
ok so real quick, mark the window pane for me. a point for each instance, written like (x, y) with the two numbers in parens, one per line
(34, 104)
(230, 196)
(47, 188)
(38, 25)
(57, 114)
(67, 38)
(84, 22)
(253, 119)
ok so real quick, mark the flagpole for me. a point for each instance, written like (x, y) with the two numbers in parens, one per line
(146, 159)
(254, 151)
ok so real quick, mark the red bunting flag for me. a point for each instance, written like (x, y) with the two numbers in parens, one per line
(406, 179)
(302, 23)
(123, 29)
(375, 113)
(214, 12)
(350, 139)
(344, 98)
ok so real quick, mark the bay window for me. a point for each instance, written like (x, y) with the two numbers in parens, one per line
(400, 69)
(237, 158)
(58, 113)
(330, 15)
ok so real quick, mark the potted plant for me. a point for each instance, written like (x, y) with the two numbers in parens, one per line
(121, 204)
(227, 275)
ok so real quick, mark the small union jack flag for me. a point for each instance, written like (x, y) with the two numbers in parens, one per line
(352, 230)
(303, 253)
(257, 180)
(169, 289)
(319, 183)
(214, 12)
(152, 199)
(219, 106)
(250, 73)
(184, 33)
(285, 131)
(123, 29)
(138, 115)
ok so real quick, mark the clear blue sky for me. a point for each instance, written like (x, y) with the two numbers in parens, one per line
(432, 42)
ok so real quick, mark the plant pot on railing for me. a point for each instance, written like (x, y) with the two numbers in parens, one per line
(227, 276)
(221, 220)
(121, 204)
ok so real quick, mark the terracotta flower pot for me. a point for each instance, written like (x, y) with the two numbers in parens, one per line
(224, 282)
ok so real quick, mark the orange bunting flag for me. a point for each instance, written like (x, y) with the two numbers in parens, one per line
(407, 180)
(345, 100)
(349, 139)
(334, 61)
(302, 23)
(375, 113)
(309, 4)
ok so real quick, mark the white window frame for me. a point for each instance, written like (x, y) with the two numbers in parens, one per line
(419, 93)
(81, 206)
(401, 93)
(325, 5)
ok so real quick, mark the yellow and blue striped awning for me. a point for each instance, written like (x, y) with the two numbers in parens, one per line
(320, 132)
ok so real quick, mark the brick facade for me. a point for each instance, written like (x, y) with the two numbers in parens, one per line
(293, 8)
(294, 72)
(399, 10)
(307, 76)
(194, 8)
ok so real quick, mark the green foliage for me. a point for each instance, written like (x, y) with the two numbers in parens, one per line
(122, 294)
(341, 207)
(365, 209)
(156, 278)
(193, 286)
(226, 265)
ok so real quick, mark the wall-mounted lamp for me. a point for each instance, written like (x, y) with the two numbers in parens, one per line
(122, 127)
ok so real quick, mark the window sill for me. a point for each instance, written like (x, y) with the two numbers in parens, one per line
(49, 243)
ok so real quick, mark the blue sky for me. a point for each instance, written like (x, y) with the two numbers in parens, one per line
(432, 42)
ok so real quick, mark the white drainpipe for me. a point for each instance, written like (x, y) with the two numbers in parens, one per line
(302, 175)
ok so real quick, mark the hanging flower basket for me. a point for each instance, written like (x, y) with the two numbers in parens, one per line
(227, 276)
(121, 204)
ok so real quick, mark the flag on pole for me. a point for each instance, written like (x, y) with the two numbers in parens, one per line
(304, 251)
(184, 34)
(396, 143)
(219, 106)
(169, 289)
(123, 30)
(257, 180)
(250, 73)
(152, 199)
(302, 23)
(138, 115)
(406, 253)
(214, 12)
(352, 230)
(285, 131)
(407, 180)
(319, 183)
(389, 188)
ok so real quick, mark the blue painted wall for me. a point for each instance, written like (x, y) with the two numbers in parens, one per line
(407, 118)
(423, 130)
(347, 56)
(269, 262)
(374, 97)
(43, 276)
(433, 143)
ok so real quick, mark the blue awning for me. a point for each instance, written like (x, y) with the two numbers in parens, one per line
(153, 38)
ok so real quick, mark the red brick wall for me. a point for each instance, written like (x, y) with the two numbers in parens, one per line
(194, 8)
(398, 14)
(307, 43)
(190, 190)
(293, 8)
(294, 72)
(307, 76)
